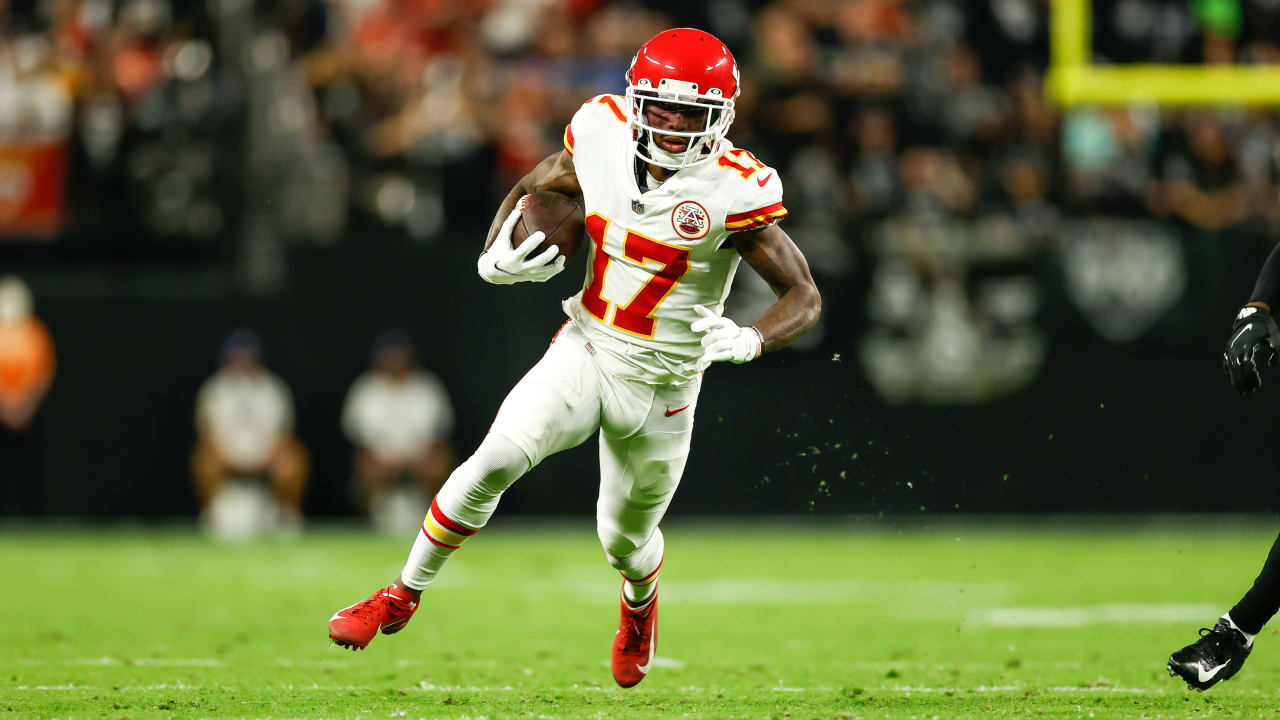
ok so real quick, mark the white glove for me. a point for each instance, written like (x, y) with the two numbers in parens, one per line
(503, 265)
(722, 339)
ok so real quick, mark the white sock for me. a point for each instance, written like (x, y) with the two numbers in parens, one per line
(1248, 638)
(425, 560)
(462, 507)
(637, 595)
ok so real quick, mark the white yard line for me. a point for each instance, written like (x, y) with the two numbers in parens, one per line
(433, 688)
(585, 585)
(956, 690)
(968, 665)
(1112, 613)
(1060, 689)
(150, 662)
(286, 662)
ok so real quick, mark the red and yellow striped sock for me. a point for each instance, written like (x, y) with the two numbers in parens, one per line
(638, 592)
(439, 538)
(442, 531)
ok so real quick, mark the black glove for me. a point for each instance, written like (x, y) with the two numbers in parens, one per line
(1250, 343)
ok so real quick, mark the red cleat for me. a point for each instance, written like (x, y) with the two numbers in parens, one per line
(388, 610)
(635, 642)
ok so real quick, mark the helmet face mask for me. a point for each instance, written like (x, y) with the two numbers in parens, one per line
(685, 71)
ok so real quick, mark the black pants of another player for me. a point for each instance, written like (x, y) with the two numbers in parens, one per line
(1263, 599)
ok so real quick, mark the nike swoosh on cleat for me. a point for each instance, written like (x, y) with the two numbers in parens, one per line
(1207, 676)
(338, 616)
(653, 646)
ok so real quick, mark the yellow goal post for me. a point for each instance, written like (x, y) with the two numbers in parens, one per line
(1074, 80)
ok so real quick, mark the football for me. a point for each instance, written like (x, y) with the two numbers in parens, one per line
(554, 214)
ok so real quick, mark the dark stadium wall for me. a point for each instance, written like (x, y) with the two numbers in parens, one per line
(1149, 426)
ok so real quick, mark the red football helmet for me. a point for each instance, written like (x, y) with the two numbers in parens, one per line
(683, 67)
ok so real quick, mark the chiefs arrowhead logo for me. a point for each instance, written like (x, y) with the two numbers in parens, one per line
(690, 220)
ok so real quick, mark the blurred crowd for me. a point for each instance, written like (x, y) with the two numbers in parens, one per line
(939, 196)
(357, 119)
(912, 135)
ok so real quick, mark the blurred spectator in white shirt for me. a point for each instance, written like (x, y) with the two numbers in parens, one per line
(249, 468)
(399, 418)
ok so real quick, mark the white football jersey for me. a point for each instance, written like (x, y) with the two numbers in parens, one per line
(656, 254)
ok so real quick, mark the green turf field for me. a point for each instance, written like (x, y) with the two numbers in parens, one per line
(756, 621)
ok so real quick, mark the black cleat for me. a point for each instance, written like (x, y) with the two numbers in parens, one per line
(1216, 656)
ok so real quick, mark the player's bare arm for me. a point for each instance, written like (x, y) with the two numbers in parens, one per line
(774, 255)
(554, 173)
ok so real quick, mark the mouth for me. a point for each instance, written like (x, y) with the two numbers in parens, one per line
(672, 144)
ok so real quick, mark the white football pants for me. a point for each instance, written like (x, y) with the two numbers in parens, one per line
(644, 430)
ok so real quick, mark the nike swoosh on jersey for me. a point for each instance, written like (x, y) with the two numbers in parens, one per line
(1207, 676)
(761, 181)
(671, 412)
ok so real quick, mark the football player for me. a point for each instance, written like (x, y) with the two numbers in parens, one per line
(1221, 650)
(672, 207)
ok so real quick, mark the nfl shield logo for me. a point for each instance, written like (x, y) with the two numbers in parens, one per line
(637, 207)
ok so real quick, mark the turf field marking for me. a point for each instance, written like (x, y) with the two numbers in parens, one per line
(781, 688)
(1124, 690)
(153, 662)
(1141, 613)
(658, 661)
(967, 665)
(752, 591)
(1060, 689)
(288, 662)
(945, 690)
(582, 585)
(432, 687)
(952, 691)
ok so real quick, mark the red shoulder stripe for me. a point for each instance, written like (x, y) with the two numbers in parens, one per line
(766, 210)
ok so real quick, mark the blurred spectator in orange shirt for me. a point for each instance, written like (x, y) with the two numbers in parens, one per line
(26, 356)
